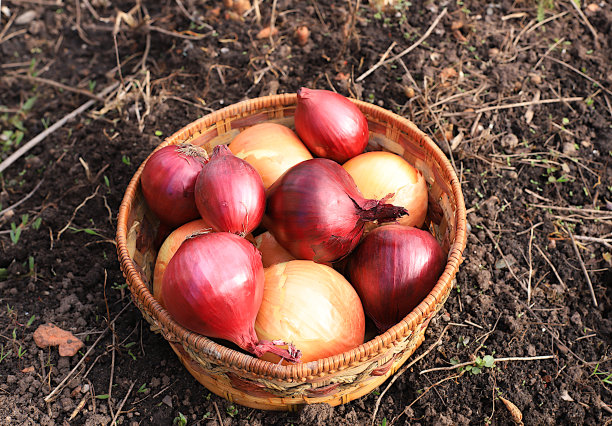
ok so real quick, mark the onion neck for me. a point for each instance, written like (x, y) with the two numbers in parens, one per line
(291, 354)
(378, 210)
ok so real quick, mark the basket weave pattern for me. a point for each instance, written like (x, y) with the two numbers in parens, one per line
(242, 378)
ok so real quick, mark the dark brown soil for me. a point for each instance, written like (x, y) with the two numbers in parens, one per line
(59, 201)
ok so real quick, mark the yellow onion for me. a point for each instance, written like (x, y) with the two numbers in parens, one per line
(378, 174)
(311, 305)
(271, 149)
(271, 251)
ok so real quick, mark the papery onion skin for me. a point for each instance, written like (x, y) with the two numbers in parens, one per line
(271, 149)
(317, 213)
(379, 173)
(330, 125)
(169, 248)
(271, 251)
(312, 306)
(229, 193)
(213, 285)
(393, 269)
(168, 182)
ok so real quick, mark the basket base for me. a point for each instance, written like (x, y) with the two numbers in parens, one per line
(222, 385)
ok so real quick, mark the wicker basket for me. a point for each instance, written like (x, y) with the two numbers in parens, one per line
(244, 379)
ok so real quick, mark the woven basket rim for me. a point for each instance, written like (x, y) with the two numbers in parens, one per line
(301, 371)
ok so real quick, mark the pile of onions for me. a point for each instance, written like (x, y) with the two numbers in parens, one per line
(214, 285)
(312, 306)
(330, 125)
(169, 247)
(316, 212)
(378, 174)
(271, 149)
(168, 182)
(393, 269)
(229, 193)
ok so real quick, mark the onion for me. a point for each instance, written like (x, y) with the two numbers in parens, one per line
(312, 306)
(393, 269)
(271, 149)
(380, 173)
(317, 213)
(169, 247)
(229, 193)
(214, 285)
(271, 251)
(330, 125)
(168, 182)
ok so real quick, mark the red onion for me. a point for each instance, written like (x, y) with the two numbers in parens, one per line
(316, 212)
(393, 269)
(330, 125)
(168, 182)
(229, 193)
(213, 285)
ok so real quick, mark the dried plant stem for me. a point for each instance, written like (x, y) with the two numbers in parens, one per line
(404, 368)
(577, 71)
(62, 384)
(551, 266)
(506, 359)
(492, 237)
(584, 270)
(528, 103)
(41, 136)
(114, 422)
(585, 19)
(405, 51)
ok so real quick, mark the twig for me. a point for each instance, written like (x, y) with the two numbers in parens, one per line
(58, 85)
(439, 382)
(551, 265)
(546, 21)
(407, 50)
(577, 71)
(492, 237)
(465, 364)
(584, 18)
(114, 422)
(382, 59)
(220, 420)
(41, 136)
(89, 197)
(8, 25)
(61, 385)
(570, 209)
(550, 49)
(604, 241)
(23, 199)
(530, 267)
(528, 103)
(178, 35)
(404, 368)
(112, 373)
(586, 273)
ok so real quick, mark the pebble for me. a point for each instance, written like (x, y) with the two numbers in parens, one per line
(167, 400)
(25, 18)
(510, 141)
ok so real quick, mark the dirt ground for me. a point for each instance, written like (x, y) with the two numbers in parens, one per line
(519, 91)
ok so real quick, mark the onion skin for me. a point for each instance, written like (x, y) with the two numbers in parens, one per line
(379, 173)
(312, 306)
(214, 285)
(229, 193)
(169, 248)
(271, 149)
(168, 182)
(271, 251)
(330, 125)
(317, 213)
(393, 269)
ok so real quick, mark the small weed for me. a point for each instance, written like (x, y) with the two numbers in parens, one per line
(88, 231)
(4, 354)
(159, 133)
(179, 420)
(31, 321)
(384, 422)
(45, 122)
(608, 375)
(36, 224)
(3, 274)
(15, 233)
(143, 388)
(208, 415)
(126, 160)
(21, 352)
(92, 85)
(463, 342)
(231, 410)
(102, 396)
(117, 286)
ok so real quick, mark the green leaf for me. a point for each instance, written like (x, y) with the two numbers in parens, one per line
(489, 361)
(103, 396)
(27, 105)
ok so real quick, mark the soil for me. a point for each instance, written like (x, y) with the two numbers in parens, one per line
(535, 175)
